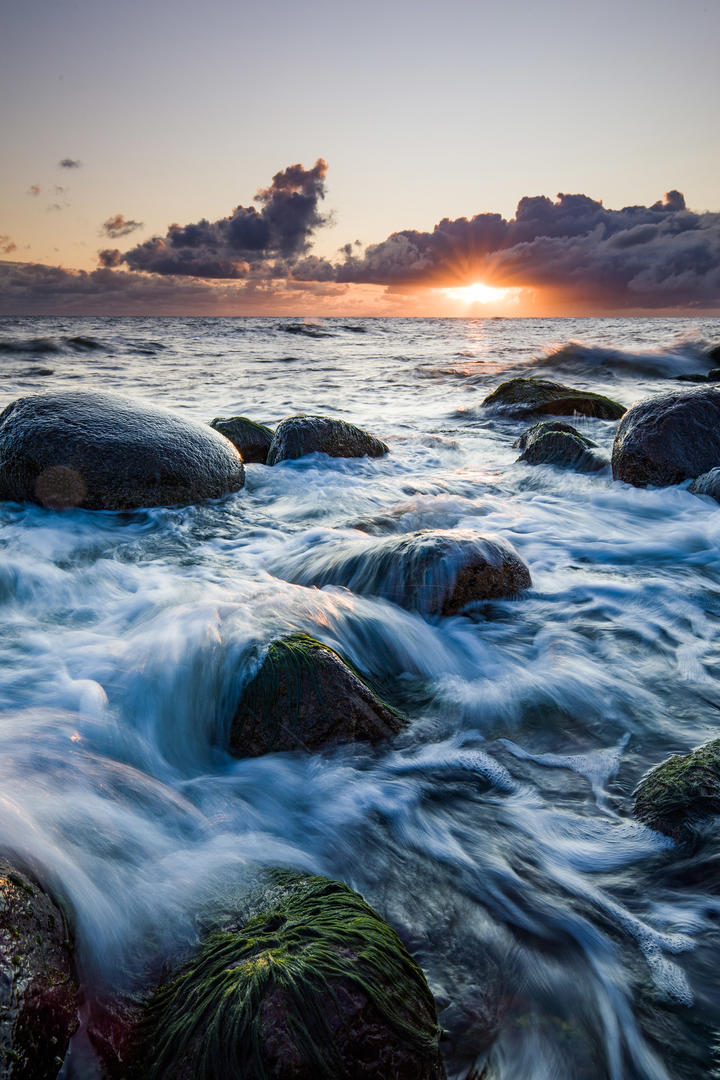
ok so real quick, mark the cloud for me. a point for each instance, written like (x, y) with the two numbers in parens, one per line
(34, 189)
(6, 244)
(248, 239)
(69, 163)
(120, 226)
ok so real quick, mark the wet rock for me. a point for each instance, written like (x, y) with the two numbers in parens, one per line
(551, 442)
(528, 396)
(668, 438)
(115, 1031)
(435, 573)
(714, 375)
(251, 440)
(707, 484)
(300, 435)
(714, 353)
(681, 793)
(38, 1011)
(315, 986)
(693, 376)
(306, 697)
(106, 452)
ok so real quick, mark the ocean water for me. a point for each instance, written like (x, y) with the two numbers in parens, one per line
(561, 938)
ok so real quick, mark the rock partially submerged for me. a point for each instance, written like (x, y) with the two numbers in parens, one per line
(306, 697)
(38, 1010)
(527, 396)
(251, 440)
(106, 452)
(551, 442)
(316, 986)
(681, 793)
(301, 435)
(435, 573)
(669, 438)
(707, 484)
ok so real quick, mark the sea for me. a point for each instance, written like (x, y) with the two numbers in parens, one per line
(562, 939)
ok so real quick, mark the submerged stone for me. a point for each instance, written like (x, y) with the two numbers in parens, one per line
(38, 1010)
(315, 986)
(707, 484)
(669, 438)
(681, 793)
(300, 435)
(251, 440)
(542, 396)
(106, 452)
(551, 442)
(306, 697)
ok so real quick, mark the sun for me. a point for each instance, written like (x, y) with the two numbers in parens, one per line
(478, 293)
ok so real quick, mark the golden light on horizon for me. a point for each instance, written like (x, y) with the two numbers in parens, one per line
(478, 293)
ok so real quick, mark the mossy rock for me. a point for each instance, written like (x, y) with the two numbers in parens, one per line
(551, 442)
(681, 793)
(316, 986)
(306, 697)
(301, 435)
(541, 396)
(38, 1008)
(251, 440)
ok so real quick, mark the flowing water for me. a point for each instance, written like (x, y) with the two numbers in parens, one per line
(560, 938)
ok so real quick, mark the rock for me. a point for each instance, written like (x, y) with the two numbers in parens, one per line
(553, 443)
(707, 484)
(316, 986)
(714, 375)
(106, 452)
(435, 573)
(693, 376)
(681, 793)
(300, 435)
(668, 438)
(38, 1011)
(306, 697)
(714, 353)
(540, 396)
(251, 440)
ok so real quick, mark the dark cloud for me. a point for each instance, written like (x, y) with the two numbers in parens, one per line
(69, 163)
(34, 189)
(120, 226)
(6, 244)
(110, 257)
(236, 246)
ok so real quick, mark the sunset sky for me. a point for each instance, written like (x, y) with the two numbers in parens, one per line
(401, 153)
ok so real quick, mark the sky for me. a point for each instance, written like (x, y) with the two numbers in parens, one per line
(409, 158)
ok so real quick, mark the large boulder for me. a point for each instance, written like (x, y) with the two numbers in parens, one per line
(105, 452)
(38, 1010)
(681, 793)
(304, 696)
(251, 440)
(551, 442)
(315, 986)
(669, 438)
(300, 435)
(435, 573)
(528, 396)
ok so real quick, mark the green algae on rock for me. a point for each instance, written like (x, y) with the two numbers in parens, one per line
(316, 986)
(300, 435)
(528, 396)
(305, 696)
(250, 439)
(552, 442)
(682, 792)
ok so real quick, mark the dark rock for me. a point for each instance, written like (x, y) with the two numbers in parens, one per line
(681, 793)
(528, 396)
(316, 986)
(38, 1010)
(115, 1031)
(251, 440)
(106, 452)
(707, 484)
(669, 438)
(300, 435)
(306, 697)
(693, 376)
(714, 353)
(435, 573)
(553, 443)
(713, 375)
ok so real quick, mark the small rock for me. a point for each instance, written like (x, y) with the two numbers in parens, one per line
(251, 440)
(301, 435)
(681, 793)
(552, 442)
(528, 396)
(707, 484)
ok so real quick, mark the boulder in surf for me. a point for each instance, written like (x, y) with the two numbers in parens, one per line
(301, 435)
(681, 793)
(707, 484)
(539, 396)
(552, 442)
(251, 440)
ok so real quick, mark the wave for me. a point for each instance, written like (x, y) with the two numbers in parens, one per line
(683, 358)
(49, 346)
(306, 329)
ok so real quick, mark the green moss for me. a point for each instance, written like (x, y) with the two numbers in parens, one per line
(541, 394)
(315, 936)
(681, 792)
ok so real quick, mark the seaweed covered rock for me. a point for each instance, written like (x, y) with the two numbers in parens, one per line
(669, 438)
(434, 572)
(306, 697)
(316, 986)
(106, 452)
(38, 1011)
(300, 435)
(551, 442)
(529, 396)
(707, 484)
(251, 440)
(682, 792)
